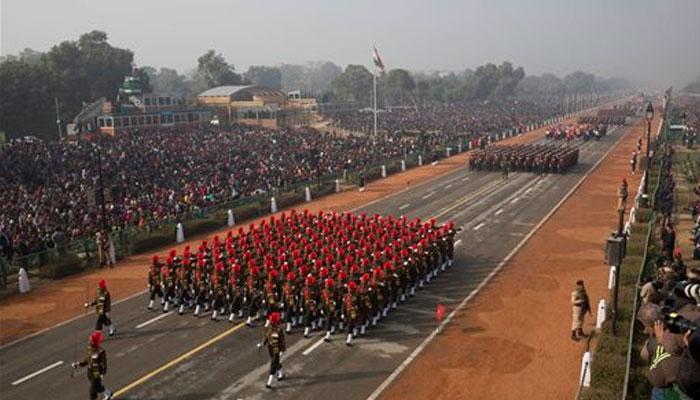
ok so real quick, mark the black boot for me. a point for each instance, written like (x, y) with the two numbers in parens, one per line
(580, 333)
(573, 336)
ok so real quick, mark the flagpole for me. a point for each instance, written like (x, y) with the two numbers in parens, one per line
(375, 103)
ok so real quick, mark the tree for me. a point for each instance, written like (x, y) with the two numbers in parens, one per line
(314, 77)
(264, 76)
(579, 82)
(215, 71)
(26, 100)
(354, 84)
(166, 81)
(320, 76)
(73, 72)
(399, 86)
(105, 66)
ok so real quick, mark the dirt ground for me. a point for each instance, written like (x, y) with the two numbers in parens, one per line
(513, 340)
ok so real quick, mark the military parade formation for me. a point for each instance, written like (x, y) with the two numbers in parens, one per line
(330, 272)
(538, 158)
(584, 132)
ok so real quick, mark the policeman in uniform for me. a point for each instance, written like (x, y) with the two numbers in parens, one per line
(274, 340)
(580, 305)
(96, 363)
(103, 305)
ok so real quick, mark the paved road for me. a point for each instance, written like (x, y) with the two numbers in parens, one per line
(166, 356)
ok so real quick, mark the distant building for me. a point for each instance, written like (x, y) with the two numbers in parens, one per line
(137, 109)
(257, 105)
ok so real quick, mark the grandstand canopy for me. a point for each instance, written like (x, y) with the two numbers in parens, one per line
(241, 93)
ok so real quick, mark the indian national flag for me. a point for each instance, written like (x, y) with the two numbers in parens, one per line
(378, 62)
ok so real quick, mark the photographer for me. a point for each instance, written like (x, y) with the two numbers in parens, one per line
(689, 368)
(673, 348)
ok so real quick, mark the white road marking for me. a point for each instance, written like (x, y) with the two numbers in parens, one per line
(404, 206)
(515, 200)
(39, 372)
(77, 317)
(522, 223)
(466, 178)
(529, 190)
(448, 186)
(313, 347)
(152, 320)
(431, 337)
(481, 225)
(498, 212)
(428, 195)
(458, 242)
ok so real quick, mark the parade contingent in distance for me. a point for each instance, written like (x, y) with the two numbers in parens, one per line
(538, 158)
(584, 132)
(333, 272)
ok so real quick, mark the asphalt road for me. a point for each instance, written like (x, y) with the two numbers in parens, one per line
(166, 356)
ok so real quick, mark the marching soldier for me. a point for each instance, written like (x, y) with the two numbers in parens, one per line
(308, 296)
(328, 308)
(168, 285)
(252, 297)
(103, 305)
(449, 239)
(200, 293)
(96, 362)
(274, 340)
(289, 294)
(350, 312)
(218, 295)
(154, 284)
(235, 293)
(365, 302)
(580, 306)
(184, 291)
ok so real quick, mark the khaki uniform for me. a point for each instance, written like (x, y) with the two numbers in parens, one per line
(579, 307)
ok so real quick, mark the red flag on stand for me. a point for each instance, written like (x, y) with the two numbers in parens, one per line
(440, 312)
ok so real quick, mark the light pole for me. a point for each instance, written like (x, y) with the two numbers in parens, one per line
(649, 115)
(622, 194)
(101, 188)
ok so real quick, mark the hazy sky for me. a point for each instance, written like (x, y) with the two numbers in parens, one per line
(653, 42)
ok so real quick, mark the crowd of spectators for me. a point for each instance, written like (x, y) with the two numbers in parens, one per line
(670, 310)
(453, 120)
(47, 188)
(161, 175)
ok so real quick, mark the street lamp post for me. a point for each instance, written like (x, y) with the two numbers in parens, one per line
(649, 115)
(101, 188)
(622, 194)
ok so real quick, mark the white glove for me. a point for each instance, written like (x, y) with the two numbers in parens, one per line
(87, 305)
(259, 345)
(75, 365)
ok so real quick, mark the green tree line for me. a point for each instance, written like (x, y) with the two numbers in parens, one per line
(74, 73)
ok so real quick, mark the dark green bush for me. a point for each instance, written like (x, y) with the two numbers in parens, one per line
(68, 265)
(146, 241)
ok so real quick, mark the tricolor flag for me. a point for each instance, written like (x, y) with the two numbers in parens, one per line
(378, 62)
